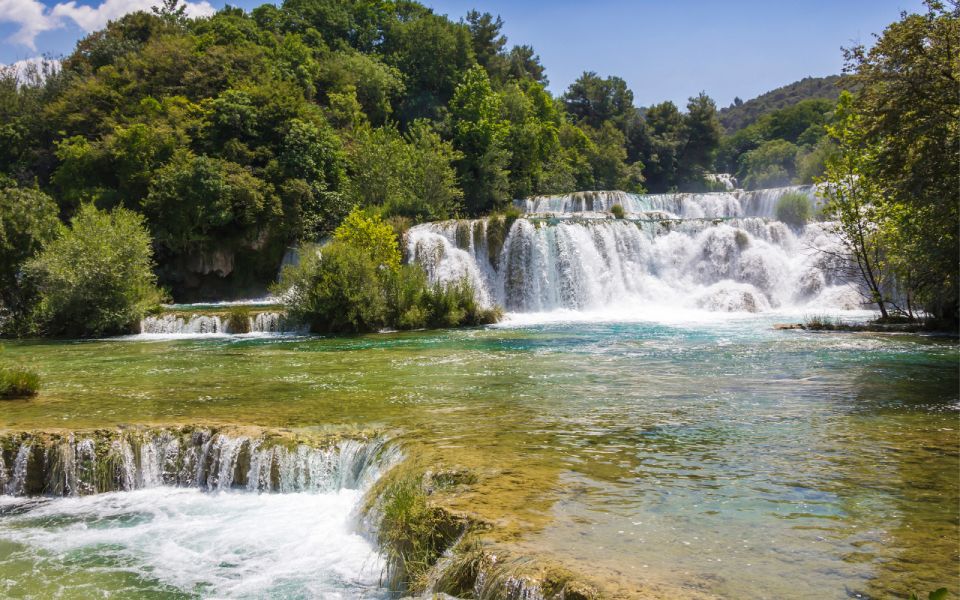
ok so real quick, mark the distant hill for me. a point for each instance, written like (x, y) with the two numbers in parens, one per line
(737, 116)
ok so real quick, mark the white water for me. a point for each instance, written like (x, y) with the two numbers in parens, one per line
(267, 322)
(223, 545)
(195, 516)
(717, 252)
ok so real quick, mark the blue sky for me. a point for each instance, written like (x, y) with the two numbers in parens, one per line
(664, 50)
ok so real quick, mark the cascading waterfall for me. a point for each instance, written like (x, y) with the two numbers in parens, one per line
(79, 464)
(175, 324)
(183, 512)
(720, 251)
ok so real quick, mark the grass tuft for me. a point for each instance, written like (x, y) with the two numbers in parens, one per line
(18, 383)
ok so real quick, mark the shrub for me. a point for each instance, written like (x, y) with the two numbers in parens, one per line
(336, 290)
(793, 208)
(237, 319)
(617, 211)
(413, 533)
(18, 383)
(28, 219)
(96, 278)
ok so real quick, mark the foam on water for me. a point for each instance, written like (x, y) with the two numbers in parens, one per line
(223, 544)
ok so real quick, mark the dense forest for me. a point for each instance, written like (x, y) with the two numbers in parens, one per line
(742, 113)
(237, 136)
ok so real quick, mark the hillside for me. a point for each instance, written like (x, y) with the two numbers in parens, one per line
(739, 115)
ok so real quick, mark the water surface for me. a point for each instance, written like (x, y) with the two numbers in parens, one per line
(715, 457)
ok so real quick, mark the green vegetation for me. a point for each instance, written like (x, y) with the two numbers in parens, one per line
(357, 284)
(940, 594)
(18, 383)
(793, 209)
(617, 211)
(28, 220)
(892, 187)
(412, 532)
(740, 114)
(785, 146)
(95, 278)
(244, 133)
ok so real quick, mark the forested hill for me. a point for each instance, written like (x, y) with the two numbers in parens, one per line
(741, 114)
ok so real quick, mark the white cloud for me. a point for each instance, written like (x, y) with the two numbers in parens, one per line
(33, 69)
(92, 18)
(34, 18)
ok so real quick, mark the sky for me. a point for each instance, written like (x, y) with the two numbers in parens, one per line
(665, 50)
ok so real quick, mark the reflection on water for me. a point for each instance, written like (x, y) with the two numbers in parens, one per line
(727, 458)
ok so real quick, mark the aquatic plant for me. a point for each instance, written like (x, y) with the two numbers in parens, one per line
(238, 319)
(413, 533)
(617, 211)
(793, 208)
(18, 383)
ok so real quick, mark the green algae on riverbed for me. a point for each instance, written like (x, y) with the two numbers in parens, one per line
(716, 459)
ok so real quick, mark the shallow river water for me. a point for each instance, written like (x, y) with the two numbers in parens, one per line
(712, 456)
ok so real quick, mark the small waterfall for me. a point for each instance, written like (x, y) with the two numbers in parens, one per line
(80, 464)
(176, 324)
(707, 205)
(719, 251)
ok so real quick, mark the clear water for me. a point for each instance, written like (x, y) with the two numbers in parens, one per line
(700, 455)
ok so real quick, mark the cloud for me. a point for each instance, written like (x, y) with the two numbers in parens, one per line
(33, 69)
(34, 18)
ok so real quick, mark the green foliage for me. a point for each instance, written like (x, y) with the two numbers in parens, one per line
(197, 199)
(238, 319)
(759, 153)
(357, 284)
(371, 236)
(738, 116)
(855, 203)
(96, 277)
(793, 208)
(28, 220)
(412, 532)
(617, 211)
(769, 165)
(408, 175)
(18, 383)
(909, 114)
(940, 594)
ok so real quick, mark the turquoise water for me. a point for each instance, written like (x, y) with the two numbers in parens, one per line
(711, 457)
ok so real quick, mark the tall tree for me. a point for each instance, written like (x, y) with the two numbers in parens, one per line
(910, 106)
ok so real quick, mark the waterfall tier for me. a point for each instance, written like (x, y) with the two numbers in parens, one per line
(77, 464)
(710, 205)
(718, 251)
(182, 324)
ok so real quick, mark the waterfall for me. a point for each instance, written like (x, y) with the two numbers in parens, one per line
(719, 251)
(79, 464)
(198, 324)
(709, 205)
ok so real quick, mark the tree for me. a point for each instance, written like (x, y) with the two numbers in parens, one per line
(855, 203)
(479, 134)
(910, 115)
(372, 236)
(96, 278)
(197, 200)
(28, 220)
(702, 133)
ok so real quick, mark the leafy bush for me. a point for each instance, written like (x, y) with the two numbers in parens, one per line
(28, 219)
(356, 284)
(617, 211)
(96, 277)
(793, 208)
(18, 383)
